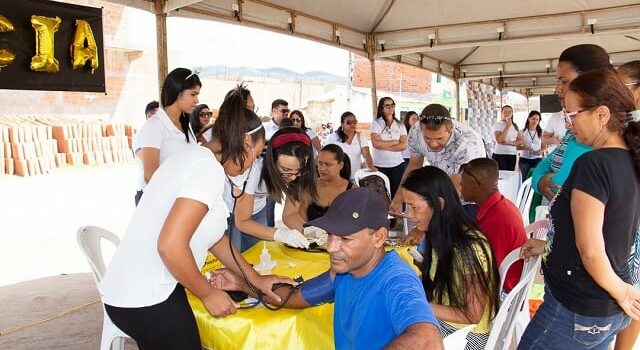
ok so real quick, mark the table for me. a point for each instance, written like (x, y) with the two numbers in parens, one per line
(509, 184)
(259, 328)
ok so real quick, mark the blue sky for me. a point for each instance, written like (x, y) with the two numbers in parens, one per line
(200, 42)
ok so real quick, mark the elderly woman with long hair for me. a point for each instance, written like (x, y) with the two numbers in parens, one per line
(459, 271)
(593, 223)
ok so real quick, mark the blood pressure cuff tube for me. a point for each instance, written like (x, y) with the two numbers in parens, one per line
(318, 290)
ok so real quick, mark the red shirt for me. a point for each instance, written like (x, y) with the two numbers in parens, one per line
(501, 222)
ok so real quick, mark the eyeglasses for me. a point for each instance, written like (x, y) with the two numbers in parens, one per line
(464, 169)
(569, 116)
(389, 106)
(435, 119)
(296, 120)
(288, 173)
(205, 114)
(284, 111)
(351, 122)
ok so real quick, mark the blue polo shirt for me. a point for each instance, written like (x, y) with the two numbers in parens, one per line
(373, 310)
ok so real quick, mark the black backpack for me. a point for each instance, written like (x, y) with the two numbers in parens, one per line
(376, 183)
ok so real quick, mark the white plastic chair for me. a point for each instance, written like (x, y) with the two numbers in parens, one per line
(458, 339)
(524, 199)
(508, 260)
(542, 211)
(90, 241)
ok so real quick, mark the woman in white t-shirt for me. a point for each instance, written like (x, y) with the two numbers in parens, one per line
(182, 217)
(168, 132)
(353, 143)
(201, 118)
(389, 140)
(508, 140)
(298, 121)
(533, 148)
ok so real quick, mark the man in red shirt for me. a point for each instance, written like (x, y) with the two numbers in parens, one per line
(499, 219)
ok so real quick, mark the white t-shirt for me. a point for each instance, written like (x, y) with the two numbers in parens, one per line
(384, 158)
(254, 187)
(137, 276)
(135, 144)
(159, 132)
(463, 146)
(312, 135)
(353, 150)
(533, 141)
(555, 126)
(512, 135)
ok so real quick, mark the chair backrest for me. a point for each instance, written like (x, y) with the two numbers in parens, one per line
(508, 260)
(526, 207)
(90, 241)
(505, 321)
(538, 229)
(523, 191)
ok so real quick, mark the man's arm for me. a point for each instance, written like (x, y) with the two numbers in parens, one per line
(415, 162)
(421, 335)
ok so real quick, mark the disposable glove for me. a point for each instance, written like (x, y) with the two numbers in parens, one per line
(291, 237)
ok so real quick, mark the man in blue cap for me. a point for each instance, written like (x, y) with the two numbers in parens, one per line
(379, 300)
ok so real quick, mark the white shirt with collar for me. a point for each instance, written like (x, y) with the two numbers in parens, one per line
(270, 128)
(463, 146)
(137, 276)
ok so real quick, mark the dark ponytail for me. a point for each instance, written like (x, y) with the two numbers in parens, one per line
(631, 136)
(232, 125)
(341, 157)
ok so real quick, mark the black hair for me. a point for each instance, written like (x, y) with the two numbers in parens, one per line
(456, 240)
(195, 118)
(278, 102)
(151, 106)
(407, 116)
(341, 157)
(285, 123)
(303, 126)
(177, 81)
(538, 128)
(485, 169)
(342, 137)
(586, 57)
(380, 113)
(631, 70)
(603, 87)
(435, 110)
(303, 188)
(232, 125)
(512, 121)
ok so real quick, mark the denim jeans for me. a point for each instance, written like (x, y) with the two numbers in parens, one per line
(556, 327)
(243, 241)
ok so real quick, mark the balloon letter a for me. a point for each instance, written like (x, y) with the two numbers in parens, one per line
(80, 53)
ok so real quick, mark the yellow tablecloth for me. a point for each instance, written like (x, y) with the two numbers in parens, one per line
(259, 328)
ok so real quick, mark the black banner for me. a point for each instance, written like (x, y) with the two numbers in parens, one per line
(21, 42)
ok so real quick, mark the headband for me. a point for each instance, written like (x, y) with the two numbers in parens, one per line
(254, 130)
(283, 139)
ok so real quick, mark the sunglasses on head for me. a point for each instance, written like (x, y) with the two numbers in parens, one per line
(206, 114)
(351, 122)
(435, 119)
(464, 169)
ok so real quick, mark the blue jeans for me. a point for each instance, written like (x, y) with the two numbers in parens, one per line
(556, 327)
(270, 213)
(242, 240)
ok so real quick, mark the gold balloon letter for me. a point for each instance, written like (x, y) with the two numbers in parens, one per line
(6, 56)
(80, 53)
(44, 60)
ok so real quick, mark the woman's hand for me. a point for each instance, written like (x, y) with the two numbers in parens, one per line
(219, 303)
(532, 247)
(630, 302)
(414, 237)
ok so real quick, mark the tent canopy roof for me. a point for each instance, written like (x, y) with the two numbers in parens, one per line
(507, 43)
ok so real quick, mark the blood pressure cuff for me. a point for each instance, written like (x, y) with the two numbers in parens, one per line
(318, 290)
